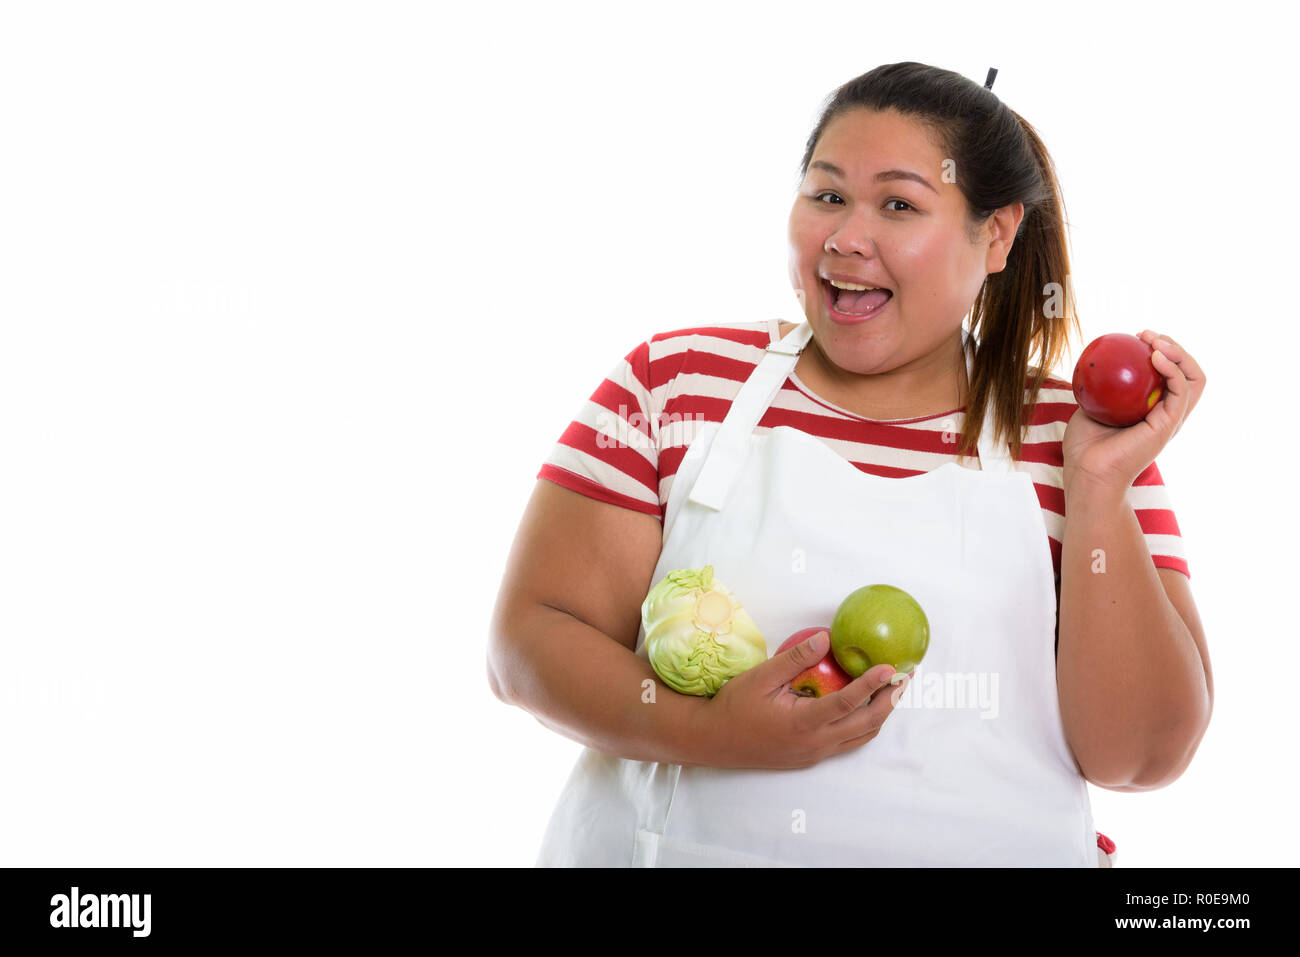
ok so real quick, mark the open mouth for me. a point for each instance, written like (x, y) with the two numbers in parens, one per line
(849, 305)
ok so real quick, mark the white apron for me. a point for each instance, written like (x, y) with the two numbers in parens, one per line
(971, 768)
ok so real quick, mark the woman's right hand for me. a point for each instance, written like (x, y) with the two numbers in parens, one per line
(756, 720)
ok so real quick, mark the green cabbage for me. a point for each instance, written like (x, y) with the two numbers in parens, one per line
(697, 635)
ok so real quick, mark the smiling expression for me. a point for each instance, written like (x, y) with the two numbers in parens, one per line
(878, 206)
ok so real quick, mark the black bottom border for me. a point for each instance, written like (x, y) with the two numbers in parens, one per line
(371, 905)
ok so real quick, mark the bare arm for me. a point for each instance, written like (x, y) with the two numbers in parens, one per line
(562, 647)
(563, 635)
(1133, 670)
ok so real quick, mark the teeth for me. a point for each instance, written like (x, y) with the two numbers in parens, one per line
(849, 285)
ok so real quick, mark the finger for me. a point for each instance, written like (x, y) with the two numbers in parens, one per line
(1176, 389)
(854, 743)
(1180, 356)
(865, 723)
(849, 699)
(1176, 353)
(871, 713)
(1174, 364)
(1167, 415)
(792, 661)
(1175, 379)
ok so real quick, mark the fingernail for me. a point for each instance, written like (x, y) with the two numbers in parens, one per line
(818, 642)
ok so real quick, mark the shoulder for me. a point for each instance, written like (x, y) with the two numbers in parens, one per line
(1054, 404)
(719, 350)
(707, 339)
(1046, 416)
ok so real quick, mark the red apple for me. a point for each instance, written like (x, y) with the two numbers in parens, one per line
(822, 678)
(1115, 382)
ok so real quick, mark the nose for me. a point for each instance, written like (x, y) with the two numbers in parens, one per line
(852, 236)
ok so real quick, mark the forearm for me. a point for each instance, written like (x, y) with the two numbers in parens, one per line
(585, 685)
(1134, 700)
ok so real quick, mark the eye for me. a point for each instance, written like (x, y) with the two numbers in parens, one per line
(817, 199)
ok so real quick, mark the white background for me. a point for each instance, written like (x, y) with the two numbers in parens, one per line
(296, 298)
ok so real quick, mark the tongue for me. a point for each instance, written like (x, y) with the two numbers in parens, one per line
(860, 302)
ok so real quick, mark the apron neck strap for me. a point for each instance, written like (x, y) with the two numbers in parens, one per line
(731, 445)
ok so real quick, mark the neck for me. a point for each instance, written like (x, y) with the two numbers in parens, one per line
(931, 386)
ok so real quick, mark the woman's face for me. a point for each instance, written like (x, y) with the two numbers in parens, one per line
(908, 235)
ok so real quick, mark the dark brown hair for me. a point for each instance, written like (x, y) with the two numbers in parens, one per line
(999, 160)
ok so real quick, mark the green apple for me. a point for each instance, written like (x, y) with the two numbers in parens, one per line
(877, 625)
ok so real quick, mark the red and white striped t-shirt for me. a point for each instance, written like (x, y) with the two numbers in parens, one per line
(627, 440)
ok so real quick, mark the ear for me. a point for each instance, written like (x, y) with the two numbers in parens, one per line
(1002, 226)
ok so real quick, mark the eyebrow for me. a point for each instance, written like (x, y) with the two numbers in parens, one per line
(889, 174)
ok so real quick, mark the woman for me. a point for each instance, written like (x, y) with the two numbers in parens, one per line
(926, 188)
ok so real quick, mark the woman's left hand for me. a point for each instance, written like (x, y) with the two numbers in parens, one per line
(1110, 457)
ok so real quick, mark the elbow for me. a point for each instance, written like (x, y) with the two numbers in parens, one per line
(494, 682)
(496, 674)
(1166, 764)
(502, 654)
(498, 656)
(1151, 778)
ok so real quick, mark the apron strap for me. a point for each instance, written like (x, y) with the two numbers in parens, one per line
(732, 443)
